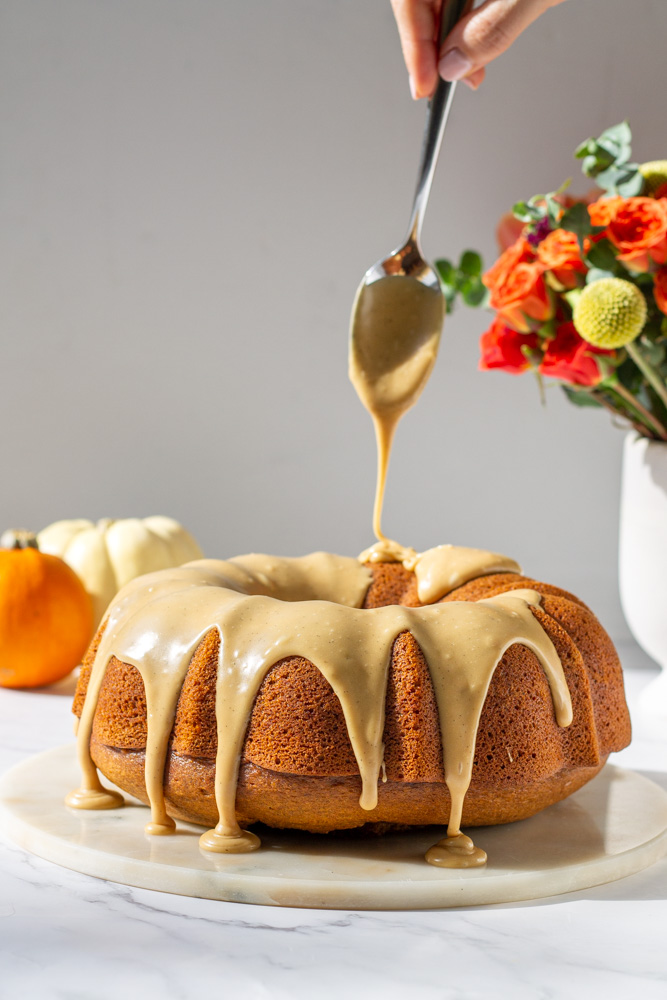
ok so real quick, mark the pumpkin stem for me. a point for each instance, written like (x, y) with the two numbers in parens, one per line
(18, 539)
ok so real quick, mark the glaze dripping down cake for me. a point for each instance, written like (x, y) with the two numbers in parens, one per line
(324, 694)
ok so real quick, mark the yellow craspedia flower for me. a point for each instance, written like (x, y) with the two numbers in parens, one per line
(655, 175)
(610, 313)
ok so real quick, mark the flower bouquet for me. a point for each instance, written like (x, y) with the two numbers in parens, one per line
(580, 289)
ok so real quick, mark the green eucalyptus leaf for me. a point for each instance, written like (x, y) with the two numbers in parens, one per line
(590, 166)
(474, 293)
(630, 183)
(577, 220)
(606, 179)
(603, 256)
(580, 397)
(471, 264)
(604, 158)
(529, 211)
(446, 272)
(610, 147)
(607, 156)
(624, 180)
(617, 137)
(597, 162)
(584, 149)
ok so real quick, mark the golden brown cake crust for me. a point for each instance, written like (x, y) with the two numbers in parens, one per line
(298, 768)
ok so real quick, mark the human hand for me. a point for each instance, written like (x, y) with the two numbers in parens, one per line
(476, 40)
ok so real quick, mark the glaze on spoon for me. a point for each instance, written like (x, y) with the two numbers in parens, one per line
(399, 308)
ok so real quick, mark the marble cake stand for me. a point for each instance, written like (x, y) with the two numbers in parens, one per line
(611, 828)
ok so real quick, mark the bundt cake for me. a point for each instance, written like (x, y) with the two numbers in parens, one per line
(312, 693)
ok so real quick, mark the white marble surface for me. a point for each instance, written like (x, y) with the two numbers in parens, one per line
(70, 937)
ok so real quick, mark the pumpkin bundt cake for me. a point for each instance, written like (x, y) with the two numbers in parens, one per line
(325, 694)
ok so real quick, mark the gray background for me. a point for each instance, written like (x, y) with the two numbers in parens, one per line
(191, 191)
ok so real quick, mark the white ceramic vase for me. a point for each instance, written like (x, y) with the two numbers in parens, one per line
(643, 556)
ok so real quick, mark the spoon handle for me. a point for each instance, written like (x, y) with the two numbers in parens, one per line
(436, 119)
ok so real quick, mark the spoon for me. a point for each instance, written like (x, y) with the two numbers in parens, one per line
(399, 308)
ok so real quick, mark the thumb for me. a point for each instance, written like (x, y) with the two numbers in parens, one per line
(485, 33)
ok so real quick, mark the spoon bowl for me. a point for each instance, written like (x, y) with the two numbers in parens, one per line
(404, 262)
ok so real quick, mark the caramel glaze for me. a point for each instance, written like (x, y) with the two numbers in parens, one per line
(394, 339)
(267, 608)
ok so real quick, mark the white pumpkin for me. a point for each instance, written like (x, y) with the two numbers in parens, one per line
(109, 554)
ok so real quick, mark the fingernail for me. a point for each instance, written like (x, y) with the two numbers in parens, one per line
(454, 65)
(469, 83)
(413, 88)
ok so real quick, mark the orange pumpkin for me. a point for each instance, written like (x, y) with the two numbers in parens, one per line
(46, 616)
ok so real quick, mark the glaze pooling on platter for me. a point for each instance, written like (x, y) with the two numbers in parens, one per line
(265, 609)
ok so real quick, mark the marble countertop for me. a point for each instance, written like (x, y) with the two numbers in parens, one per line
(69, 936)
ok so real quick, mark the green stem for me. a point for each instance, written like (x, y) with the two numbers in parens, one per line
(646, 417)
(18, 539)
(604, 402)
(648, 371)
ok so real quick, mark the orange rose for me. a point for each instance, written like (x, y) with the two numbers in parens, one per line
(518, 253)
(660, 289)
(521, 297)
(559, 253)
(603, 210)
(639, 230)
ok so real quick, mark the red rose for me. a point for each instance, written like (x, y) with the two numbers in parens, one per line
(639, 229)
(559, 253)
(571, 359)
(502, 347)
(660, 289)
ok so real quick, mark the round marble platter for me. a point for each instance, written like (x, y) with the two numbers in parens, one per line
(613, 827)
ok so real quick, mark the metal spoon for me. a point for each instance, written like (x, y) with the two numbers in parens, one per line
(407, 260)
(399, 308)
